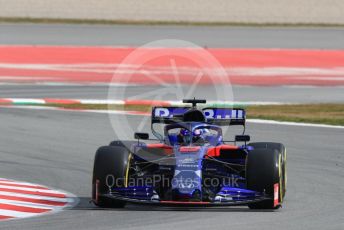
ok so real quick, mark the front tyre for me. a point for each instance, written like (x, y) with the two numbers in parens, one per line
(110, 169)
(264, 174)
(280, 148)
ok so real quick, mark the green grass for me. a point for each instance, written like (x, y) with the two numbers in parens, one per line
(332, 114)
(157, 22)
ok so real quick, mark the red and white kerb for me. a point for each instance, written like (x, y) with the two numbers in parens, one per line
(22, 199)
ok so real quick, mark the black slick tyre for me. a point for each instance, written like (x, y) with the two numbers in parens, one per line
(110, 169)
(264, 174)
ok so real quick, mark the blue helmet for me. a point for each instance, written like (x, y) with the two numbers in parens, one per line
(185, 136)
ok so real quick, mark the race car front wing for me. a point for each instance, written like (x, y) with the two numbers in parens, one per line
(227, 196)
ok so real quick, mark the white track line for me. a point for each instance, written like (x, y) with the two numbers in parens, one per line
(28, 100)
(258, 121)
(288, 123)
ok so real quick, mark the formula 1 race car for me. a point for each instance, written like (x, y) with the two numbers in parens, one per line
(191, 164)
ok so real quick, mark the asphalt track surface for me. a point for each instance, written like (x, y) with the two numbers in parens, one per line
(284, 94)
(56, 148)
(117, 35)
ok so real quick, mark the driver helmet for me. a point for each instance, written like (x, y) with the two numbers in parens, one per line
(185, 136)
(201, 132)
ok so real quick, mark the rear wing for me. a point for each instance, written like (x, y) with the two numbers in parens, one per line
(168, 115)
(217, 116)
(225, 116)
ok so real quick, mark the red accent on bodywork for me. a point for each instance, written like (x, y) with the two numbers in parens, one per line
(159, 145)
(168, 149)
(215, 151)
(186, 149)
(276, 198)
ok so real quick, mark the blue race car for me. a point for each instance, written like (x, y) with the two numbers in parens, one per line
(191, 164)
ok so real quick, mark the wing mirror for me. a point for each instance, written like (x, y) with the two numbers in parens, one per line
(142, 136)
(242, 138)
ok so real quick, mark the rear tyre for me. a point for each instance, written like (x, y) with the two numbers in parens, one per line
(264, 174)
(110, 169)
